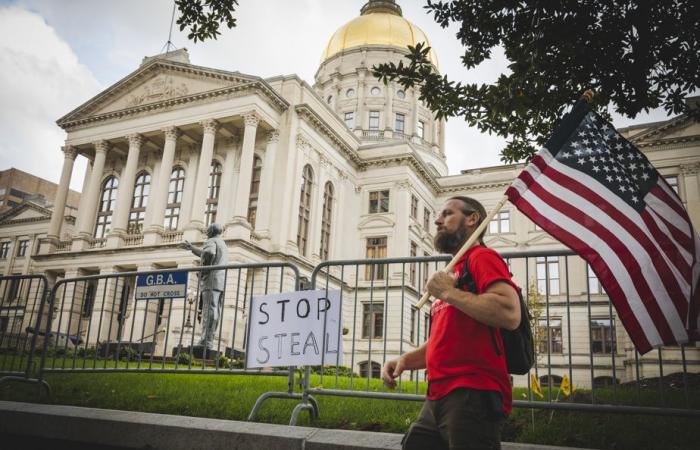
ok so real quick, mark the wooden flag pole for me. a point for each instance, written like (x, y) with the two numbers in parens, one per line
(467, 245)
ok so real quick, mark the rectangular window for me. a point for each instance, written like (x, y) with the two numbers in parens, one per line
(603, 336)
(19, 194)
(350, 119)
(379, 201)
(89, 298)
(376, 249)
(421, 129)
(374, 120)
(548, 275)
(500, 223)
(22, 247)
(673, 182)
(372, 320)
(400, 123)
(594, 286)
(4, 249)
(4, 324)
(426, 219)
(414, 318)
(412, 269)
(13, 289)
(414, 207)
(550, 338)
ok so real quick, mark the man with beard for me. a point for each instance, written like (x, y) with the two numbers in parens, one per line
(469, 391)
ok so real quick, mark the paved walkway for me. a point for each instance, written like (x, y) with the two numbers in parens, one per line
(36, 426)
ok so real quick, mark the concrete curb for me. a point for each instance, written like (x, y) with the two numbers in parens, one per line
(127, 429)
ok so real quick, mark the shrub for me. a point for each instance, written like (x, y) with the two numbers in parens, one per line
(224, 361)
(184, 359)
(88, 353)
(343, 371)
(127, 353)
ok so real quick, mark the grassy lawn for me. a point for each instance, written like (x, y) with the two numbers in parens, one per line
(232, 397)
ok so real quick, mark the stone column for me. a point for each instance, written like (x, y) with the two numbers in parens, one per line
(262, 223)
(413, 126)
(159, 193)
(227, 192)
(389, 110)
(125, 193)
(201, 189)
(88, 202)
(188, 189)
(59, 204)
(434, 140)
(360, 119)
(238, 227)
(316, 217)
(302, 150)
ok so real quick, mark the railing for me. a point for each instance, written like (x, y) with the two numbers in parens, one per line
(97, 242)
(22, 311)
(578, 336)
(97, 325)
(133, 239)
(64, 246)
(373, 135)
(169, 237)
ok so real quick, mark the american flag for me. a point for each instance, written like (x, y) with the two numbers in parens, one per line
(596, 193)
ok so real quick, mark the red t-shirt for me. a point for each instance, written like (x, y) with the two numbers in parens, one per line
(460, 350)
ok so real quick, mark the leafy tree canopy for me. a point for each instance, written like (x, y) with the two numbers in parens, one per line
(636, 55)
(203, 17)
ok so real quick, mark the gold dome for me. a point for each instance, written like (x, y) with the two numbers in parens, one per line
(377, 27)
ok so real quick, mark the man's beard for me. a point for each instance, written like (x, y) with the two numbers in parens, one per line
(446, 242)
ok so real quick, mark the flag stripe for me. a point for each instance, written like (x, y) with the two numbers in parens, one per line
(638, 240)
(682, 259)
(539, 213)
(683, 231)
(671, 199)
(644, 280)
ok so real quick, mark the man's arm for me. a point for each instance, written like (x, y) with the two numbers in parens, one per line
(498, 306)
(187, 245)
(412, 360)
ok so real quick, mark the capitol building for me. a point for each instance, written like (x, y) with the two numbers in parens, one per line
(303, 173)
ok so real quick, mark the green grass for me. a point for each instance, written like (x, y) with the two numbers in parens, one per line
(232, 397)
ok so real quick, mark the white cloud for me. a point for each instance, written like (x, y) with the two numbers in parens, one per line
(41, 79)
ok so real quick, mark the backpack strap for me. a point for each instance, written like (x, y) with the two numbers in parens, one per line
(467, 281)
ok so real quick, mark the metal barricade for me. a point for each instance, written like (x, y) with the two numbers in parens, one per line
(98, 325)
(22, 311)
(578, 336)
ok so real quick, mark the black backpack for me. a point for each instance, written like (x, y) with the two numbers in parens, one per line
(518, 344)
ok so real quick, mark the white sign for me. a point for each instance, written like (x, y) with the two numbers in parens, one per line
(295, 328)
(161, 285)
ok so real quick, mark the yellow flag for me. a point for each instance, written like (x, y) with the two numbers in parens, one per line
(566, 388)
(535, 386)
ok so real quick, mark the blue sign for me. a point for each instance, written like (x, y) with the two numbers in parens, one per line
(161, 285)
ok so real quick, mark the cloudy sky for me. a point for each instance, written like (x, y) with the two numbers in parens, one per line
(55, 55)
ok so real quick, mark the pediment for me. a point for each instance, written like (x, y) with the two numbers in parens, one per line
(25, 212)
(678, 128)
(155, 83)
(499, 241)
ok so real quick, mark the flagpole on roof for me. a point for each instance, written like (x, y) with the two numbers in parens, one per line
(586, 97)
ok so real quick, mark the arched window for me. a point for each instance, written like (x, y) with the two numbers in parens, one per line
(326, 220)
(254, 190)
(142, 188)
(376, 369)
(172, 210)
(106, 207)
(304, 209)
(214, 188)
